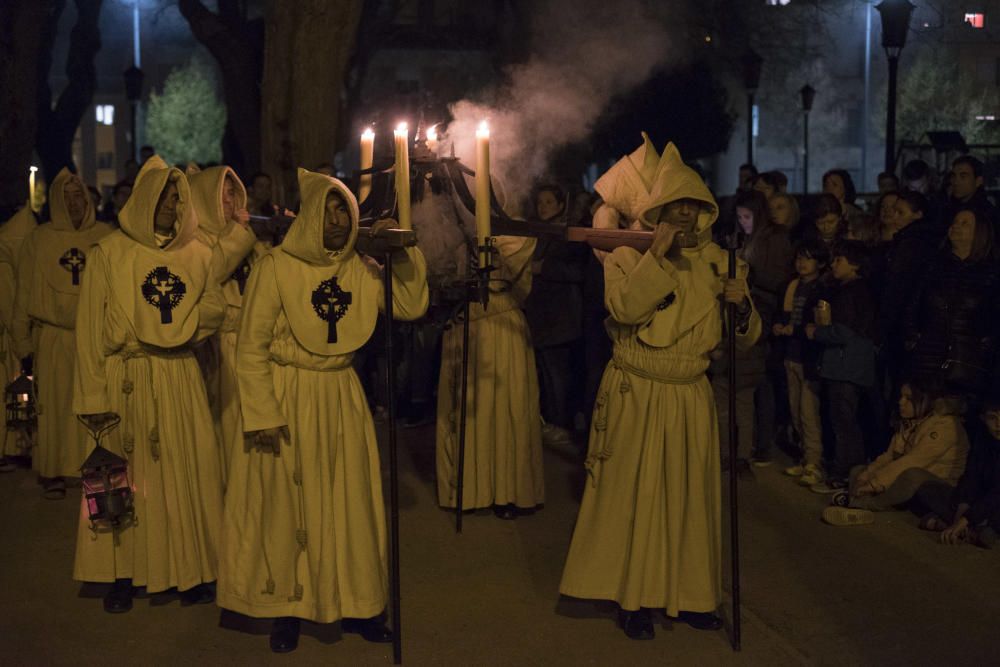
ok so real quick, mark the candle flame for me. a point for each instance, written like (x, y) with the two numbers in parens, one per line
(402, 128)
(432, 133)
(33, 168)
(368, 134)
(484, 129)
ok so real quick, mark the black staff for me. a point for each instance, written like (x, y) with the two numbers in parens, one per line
(732, 243)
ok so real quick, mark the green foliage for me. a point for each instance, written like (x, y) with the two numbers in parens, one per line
(936, 94)
(187, 120)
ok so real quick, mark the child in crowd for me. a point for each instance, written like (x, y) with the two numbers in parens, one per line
(970, 512)
(929, 446)
(847, 362)
(828, 217)
(801, 356)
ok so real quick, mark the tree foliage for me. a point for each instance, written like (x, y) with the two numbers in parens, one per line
(186, 121)
(935, 94)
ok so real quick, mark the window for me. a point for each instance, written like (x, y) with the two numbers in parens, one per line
(105, 114)
(976, 20)
(775, 3)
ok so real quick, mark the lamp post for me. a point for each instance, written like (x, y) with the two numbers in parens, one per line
(133, 91)
(808, 94)
(752, 63)
(895, 16)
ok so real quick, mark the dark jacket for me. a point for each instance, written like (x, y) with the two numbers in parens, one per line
(979, 486)
(848, 344)
(798, 347)
(771, 260)
(954, 314)
(904, 259)
(554, 307)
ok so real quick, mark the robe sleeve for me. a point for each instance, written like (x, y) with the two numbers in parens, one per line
(261, 306)
(211, 310)
(20, 323)
(634, 288)
(409, 286)
(90, 394)
(230, 250)
(516, 253)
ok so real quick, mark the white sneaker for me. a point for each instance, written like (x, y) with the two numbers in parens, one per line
(847, 516)
(811, 474)
(795, 471)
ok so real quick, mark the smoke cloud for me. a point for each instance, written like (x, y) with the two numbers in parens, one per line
(583, 55)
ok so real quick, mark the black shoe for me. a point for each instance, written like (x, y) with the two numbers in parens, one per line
(371, 629)
(505, 512)
(285, 634)
(700, 620)
(637, 624)
(119, 599)
(200, 594)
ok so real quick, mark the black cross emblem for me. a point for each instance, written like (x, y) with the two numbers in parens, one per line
(330, 303)
(163, 290)
(241, 274)
(73, 260)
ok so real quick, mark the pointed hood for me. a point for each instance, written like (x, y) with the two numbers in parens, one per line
(136, 218)
(59, 212)
(305, 236)
(626, 185)
(675, 180)
(206, 193)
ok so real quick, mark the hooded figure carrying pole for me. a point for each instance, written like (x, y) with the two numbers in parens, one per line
(50, 271)
(648, 535)
(147, 299)
(220, 200)
(305, 531)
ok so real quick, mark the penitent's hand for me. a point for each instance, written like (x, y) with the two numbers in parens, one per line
(242, 218)
(663, 239)
(735, 290)
(384, 223)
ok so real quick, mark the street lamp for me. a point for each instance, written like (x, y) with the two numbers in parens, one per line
(895, 16)
(133, 91)
(752, 63)
(808, 94)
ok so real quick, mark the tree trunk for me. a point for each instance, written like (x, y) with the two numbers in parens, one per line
(237, 47)
(59, 123)
(307, 48)
(21, 24)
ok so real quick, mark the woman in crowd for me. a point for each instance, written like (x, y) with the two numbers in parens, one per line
(783, 209)
(953, 317)
(839, 183)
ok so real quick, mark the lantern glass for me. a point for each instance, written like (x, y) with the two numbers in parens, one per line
(106, 487)
(895, 16)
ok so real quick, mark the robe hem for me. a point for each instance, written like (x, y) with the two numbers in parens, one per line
(699, 605)
(300, 610)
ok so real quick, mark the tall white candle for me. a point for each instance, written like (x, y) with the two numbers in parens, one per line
(31, 185)
(482, 184)
(367, 156)
(402, 175)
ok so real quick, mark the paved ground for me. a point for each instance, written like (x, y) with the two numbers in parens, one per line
(813, 594)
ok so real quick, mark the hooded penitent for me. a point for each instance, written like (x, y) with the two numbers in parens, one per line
(51, 267)
(159, 288)
(649, 529)
(232, 242)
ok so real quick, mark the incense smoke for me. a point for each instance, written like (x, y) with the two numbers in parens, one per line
(583, 55)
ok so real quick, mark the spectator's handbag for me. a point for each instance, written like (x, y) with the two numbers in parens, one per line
(967, 365)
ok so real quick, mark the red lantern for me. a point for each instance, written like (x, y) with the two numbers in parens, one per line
(106, 487)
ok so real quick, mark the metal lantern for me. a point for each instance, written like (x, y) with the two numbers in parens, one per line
(19, 398)
(106, 487)
(895, 24)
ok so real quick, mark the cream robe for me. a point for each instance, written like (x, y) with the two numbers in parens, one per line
(234, 250)
(51, 265)
(12, 235)
(649, 529)
(503, 445)
(135, 358)
(305, 531)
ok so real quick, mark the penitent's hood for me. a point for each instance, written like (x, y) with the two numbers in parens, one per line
(59, 212)
(136, 218)
(206, 193)
(305, 235)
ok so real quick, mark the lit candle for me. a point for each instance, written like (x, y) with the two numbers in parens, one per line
(402, 176)
(31, 185)
(367, 155)
(432, 138)
(482, 185)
